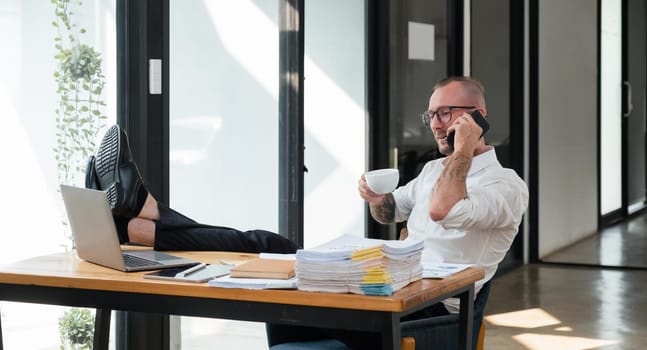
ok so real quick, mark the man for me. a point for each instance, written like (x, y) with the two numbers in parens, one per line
(141, 219)
(466, 207)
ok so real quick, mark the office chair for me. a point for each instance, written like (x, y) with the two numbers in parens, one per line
(441, 332)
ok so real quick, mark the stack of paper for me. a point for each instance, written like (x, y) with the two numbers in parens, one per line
(253, 283)
(359, 265)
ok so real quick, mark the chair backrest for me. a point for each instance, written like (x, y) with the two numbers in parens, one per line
(481, 301)
(440, 331)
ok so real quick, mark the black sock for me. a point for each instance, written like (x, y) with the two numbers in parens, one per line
(122, 228)
(142, 193)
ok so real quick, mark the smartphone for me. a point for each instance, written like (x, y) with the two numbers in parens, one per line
(177, 273)
(479, 119)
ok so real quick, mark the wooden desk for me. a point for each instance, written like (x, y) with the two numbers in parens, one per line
(64, 279)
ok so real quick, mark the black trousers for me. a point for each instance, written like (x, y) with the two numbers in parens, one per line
(174, 231)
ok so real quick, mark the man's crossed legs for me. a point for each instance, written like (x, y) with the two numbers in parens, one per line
(141, 219)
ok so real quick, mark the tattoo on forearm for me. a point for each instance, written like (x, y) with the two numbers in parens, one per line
(385, 212)
(456, 169)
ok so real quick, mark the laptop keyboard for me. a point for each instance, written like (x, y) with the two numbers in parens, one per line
(135, 261)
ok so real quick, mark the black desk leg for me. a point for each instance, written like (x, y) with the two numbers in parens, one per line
(1, 347)
(101, 329)
(140, 330)
(391, 337)
(466, 319)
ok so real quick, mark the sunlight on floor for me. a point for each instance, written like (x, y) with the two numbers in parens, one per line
(538, 318)
(531, 318)
(550, 342)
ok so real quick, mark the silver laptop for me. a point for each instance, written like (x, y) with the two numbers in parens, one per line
(95, 234)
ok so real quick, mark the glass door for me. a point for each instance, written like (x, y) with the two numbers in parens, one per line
(611, 205)
(334, 118)
(223, 127)
(635, 75)
(223, 112)
(414, 38)
(414, 71)
(622, 110)
(56, 82)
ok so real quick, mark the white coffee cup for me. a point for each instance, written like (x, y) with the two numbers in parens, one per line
(382, 181)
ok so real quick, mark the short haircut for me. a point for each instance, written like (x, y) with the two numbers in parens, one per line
(462, 79)
(471, 86)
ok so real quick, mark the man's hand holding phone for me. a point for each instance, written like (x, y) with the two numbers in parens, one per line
(480, 121)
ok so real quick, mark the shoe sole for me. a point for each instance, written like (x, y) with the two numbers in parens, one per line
(106, 164)
(91, 175)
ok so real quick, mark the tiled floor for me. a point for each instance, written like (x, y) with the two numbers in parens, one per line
(573, 303)
(546, 307)
(623, 244)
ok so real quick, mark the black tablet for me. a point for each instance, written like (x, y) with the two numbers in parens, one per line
(178, 273)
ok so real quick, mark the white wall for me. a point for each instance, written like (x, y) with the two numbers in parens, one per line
(567, 174)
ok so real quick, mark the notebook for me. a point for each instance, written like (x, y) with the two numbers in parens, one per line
(264, 268)
(95, 234)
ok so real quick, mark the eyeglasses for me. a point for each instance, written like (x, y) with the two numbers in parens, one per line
(444, 114)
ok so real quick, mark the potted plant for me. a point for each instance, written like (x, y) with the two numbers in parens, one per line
(80, 108)
(76, 328)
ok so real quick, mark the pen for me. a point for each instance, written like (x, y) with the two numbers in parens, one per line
(194, 269)
(228, 263)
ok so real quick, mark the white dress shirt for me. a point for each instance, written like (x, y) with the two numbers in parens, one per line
(478, 229)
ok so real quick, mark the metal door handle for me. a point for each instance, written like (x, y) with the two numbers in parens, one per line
(629, 107)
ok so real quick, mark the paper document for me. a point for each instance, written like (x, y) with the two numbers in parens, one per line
(353, 247)
(253, 283)
(441, 270)
(277, 256)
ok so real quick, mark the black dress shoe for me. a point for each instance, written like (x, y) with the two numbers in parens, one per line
(91, 180)
(118, 175)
